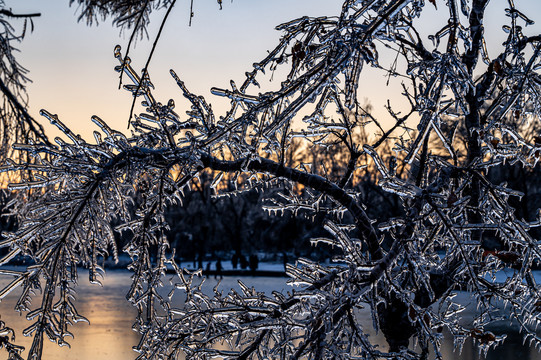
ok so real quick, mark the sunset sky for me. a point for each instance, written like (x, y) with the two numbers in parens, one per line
(71, 64)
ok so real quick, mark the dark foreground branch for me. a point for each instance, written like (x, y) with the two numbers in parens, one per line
(10, 14)
(34, 126)
(312, 181)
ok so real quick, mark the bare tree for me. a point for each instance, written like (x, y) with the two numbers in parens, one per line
(458, 230)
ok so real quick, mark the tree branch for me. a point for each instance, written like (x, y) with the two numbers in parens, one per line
(10, 14)
(316, 182)
(35, 127)
(476, 32)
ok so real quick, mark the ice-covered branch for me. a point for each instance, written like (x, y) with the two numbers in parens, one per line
(312, 181)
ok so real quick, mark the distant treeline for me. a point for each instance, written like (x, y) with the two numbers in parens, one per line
(206, 224)
(202, 223)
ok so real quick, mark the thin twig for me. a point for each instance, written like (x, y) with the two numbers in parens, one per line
(191, 13)
(145, 69)
(132, 37)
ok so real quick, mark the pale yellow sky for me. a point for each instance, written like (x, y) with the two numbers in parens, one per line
(71, 64)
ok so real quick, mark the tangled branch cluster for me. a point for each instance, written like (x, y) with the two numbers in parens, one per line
(458, 231)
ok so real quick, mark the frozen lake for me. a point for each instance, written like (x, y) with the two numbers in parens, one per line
(109, 335)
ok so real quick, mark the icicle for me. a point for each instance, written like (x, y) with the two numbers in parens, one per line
(377, 161)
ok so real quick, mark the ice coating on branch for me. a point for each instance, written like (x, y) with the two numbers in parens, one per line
(410, 212)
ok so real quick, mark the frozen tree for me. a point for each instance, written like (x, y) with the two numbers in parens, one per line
(457, 231)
